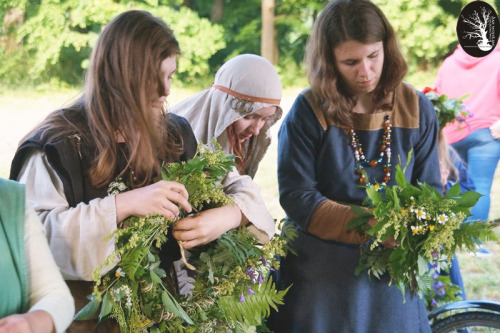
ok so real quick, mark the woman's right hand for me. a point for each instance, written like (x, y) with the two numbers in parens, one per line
(163, 197)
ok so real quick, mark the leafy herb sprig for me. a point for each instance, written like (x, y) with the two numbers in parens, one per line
(427, 226)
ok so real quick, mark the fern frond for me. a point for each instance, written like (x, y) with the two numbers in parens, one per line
(255, 307)
(470, 232)
(132, 260)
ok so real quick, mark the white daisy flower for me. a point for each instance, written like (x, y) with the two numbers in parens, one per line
(442, 218)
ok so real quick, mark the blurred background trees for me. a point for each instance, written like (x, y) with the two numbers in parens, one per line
(49, 41)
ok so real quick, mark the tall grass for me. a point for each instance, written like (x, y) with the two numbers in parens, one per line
(21, 111)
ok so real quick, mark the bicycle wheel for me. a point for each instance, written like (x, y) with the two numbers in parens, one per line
(468, 322)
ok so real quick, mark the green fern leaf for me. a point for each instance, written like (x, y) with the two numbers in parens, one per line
(131, 262)
(255, 307)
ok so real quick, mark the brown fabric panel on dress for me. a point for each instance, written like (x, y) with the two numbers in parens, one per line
(406, 111)
(314, 104)
(329, 222)
(402, 115)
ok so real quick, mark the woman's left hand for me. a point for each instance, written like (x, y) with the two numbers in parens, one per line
(207, 226)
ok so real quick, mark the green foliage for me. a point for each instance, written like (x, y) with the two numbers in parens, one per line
(202, 176)
(233, 290)
(198, 38)
(427, 226)
(256, 306)
(242, 28)
(57, 37)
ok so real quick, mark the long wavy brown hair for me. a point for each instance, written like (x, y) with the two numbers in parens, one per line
(123, 79)
(341, 21)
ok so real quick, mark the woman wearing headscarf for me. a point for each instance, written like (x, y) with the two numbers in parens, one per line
(238, 110)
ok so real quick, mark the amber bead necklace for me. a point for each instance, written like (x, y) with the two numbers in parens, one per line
(384, 155)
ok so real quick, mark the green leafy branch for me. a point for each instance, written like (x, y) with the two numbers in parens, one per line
(427, 226)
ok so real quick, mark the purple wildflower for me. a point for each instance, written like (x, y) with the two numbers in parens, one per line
(433, 303)
(438, 285)
(242, 298)
(264, 261)
(260, 279)
(250, 291)
(251, 274)
(440, 288)
(435, 275)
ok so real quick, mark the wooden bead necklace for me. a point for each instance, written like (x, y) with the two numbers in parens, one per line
(385, 153)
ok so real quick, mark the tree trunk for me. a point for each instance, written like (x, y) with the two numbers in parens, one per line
(13, 20)
(217, 11)
(269, 45)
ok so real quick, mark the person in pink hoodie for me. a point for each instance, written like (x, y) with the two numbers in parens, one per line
(478, 139)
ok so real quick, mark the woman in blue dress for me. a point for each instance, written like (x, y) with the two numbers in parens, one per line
(357, 115)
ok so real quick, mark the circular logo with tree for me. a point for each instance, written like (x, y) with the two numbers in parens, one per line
(478, 28)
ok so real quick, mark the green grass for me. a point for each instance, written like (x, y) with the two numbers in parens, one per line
(21, 111)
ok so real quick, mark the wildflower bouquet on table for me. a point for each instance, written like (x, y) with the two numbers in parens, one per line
(232, 290)
(448, 109)
(427, 226)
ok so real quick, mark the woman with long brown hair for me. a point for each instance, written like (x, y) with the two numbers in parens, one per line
(118, 129)
(356, 118)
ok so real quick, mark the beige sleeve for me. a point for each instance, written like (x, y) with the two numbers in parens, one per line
(69, 230)
(48, 291)
(329, 222)
(246, 195)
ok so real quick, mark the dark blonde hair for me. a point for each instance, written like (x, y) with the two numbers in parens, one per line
(123, 79)
(341, 21)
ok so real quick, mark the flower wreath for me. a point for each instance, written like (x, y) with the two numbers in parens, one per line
(233, 291)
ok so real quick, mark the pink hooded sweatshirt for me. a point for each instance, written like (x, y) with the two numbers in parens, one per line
(462, 74)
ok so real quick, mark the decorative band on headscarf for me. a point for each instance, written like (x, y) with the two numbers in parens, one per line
(246, 97)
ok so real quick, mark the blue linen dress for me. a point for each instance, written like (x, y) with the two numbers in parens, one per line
(316, 163)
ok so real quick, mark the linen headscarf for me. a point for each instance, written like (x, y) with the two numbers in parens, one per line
(243, 85)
